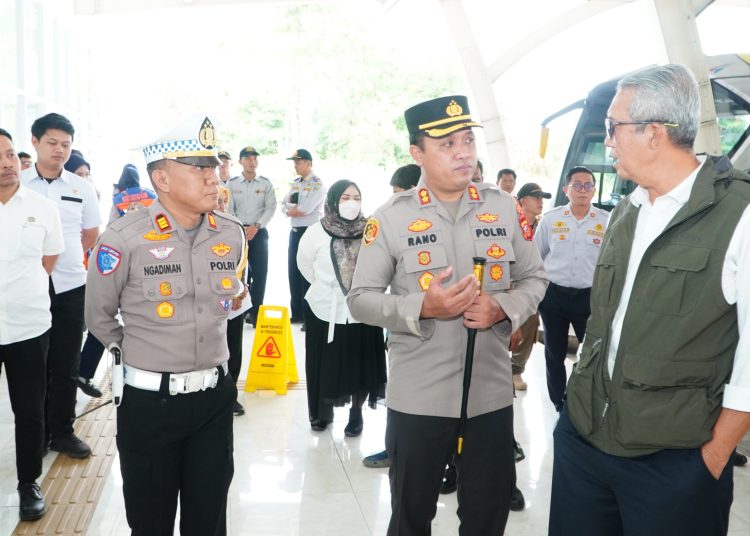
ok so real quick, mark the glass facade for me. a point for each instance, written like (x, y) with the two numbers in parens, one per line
(35, 60)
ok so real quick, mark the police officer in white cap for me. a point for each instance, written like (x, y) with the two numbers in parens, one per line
(171, 272)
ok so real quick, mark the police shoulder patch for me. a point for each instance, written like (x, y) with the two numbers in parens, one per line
(107, 259)
(371, 231)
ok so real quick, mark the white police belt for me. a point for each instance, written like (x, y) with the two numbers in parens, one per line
(179, 383)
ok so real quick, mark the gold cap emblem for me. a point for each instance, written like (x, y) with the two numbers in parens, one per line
(453, 109)
(207, 134)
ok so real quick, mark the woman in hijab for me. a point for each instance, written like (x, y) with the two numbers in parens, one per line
(345, 360)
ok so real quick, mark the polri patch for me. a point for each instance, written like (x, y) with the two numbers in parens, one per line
(165, 289)
(371, 231)
(424, 280)
(424, 258)
(221, 249)
(495, 251)
(156, 237)
(417, 226)
(107, 259)
(226, 283)
(496, 272)
(165, 310)
(487, 217)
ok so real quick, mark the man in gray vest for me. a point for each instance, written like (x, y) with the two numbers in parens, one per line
(660, 396)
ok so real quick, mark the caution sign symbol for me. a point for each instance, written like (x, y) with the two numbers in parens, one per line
(269, 349)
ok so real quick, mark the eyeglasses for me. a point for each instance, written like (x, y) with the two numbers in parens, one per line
(582, 187)
(611, 125)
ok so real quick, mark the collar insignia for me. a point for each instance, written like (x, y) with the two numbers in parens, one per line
(162, 222)
(473, 193)
(424, 196)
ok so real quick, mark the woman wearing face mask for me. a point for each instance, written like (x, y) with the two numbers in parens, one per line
(345, 360)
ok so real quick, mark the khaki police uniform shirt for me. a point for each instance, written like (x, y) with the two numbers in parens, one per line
(569, 247)
(311, 196)
(406, 243)
(252, 201)
(174, 294)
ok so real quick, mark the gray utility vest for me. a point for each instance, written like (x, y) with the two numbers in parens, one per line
(678, 336)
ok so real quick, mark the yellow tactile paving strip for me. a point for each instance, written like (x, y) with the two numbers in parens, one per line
(72, 487)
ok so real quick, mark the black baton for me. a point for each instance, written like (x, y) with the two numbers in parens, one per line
(479, 274)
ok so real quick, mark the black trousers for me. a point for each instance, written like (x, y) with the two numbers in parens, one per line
(63, 359)
(234, 342)
(172, 446)
(419, 448)
(560, 308)
(298, 285)
(27, 380)
(91, 354)
(669, 492)
(257, 263)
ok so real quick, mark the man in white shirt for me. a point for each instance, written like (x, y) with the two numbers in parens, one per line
(32, 240)
(660, 396)
(52, 138)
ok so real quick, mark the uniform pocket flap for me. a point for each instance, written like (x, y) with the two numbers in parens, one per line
(428, 258)
(648, 371)
(687, 258)
(158, 289)
(500, 249)
(224, 284)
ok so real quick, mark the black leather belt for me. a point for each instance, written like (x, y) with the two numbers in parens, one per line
(569, 291)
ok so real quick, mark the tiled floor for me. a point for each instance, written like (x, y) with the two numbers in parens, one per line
(292, 481)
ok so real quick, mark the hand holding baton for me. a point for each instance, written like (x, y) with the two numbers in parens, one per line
(479, 274)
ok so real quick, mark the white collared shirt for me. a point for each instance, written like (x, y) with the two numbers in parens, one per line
(31, 229)
(79, 209)
(735, 278)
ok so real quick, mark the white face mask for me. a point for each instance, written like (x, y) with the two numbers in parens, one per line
(349, 210)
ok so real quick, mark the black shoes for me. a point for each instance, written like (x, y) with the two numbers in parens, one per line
(355, 425)
(518, 453)
(87, 386)
(32, 504)
(740, 460)
(296, 320)
(319, 425)
(238, 410)
(70, 445)
(449, 480)
(517, 501)
(251, 319)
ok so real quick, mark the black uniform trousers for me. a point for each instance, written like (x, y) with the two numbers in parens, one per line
(298, 285)
(669, 492)
(561, 307)
(419, 448)
(91, 354)
(27, 380)
(257, 263)
(234, 343)
(174, 445)
(63, 359)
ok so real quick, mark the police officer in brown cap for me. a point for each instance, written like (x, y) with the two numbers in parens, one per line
(421, 244)
(171, 272)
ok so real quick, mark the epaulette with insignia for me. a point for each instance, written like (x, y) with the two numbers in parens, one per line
(218, 214)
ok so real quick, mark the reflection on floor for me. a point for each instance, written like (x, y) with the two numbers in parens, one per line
(290, 480)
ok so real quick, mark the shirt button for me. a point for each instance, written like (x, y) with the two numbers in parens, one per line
(198, 281)
(200, 339)
(200, 309)
(151, 293)
(195, 252)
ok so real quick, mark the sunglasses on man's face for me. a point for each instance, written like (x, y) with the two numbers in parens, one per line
(611, 125)
(582, 186)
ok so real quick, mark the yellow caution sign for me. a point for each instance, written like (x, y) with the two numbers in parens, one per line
(272, 363)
